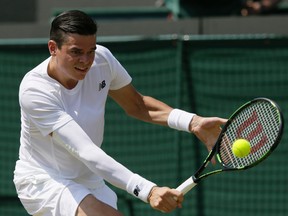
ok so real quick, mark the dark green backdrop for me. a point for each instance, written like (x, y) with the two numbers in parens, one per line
(211, 76)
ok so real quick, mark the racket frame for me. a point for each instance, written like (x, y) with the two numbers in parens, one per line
(273, 147)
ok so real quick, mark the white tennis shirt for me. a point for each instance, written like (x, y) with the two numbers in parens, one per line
(47, 106)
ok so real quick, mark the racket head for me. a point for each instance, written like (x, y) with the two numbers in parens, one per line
(259, 121)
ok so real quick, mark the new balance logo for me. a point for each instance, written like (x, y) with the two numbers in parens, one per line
(136, 190)
(102, 85)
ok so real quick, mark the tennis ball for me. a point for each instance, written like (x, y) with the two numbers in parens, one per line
(241, 148)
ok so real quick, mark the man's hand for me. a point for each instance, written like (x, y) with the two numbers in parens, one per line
(207, 129)
(165, 199)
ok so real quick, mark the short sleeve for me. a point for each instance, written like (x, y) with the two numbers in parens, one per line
(43, 109)
(120, 76)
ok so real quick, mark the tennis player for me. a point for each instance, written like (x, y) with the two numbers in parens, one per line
(61, 169)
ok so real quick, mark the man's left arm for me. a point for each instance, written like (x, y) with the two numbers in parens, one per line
(149, 109)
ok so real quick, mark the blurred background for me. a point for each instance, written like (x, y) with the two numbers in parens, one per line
(31, 18)
(204, 56)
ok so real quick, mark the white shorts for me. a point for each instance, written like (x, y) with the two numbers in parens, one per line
(59, 198)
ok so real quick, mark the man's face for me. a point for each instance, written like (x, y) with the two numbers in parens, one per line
(75, 57)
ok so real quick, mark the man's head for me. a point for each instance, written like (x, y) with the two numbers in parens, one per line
(72, 46)
(71, 22)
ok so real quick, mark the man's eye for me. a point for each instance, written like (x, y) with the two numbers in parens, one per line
(76, 52)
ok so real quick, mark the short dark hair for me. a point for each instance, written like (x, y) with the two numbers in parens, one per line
(74, 22)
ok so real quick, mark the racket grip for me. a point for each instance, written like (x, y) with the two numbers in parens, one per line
(186, 185)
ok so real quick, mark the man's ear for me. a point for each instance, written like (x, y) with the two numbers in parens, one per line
(52, 46)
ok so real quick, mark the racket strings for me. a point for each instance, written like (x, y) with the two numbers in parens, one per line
(259, 123)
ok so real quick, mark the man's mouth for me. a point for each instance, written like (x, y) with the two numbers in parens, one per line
(82, 69)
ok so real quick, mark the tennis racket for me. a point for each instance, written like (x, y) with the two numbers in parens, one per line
(259, 121)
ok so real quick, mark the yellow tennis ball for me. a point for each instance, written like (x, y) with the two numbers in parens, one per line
(241, 148)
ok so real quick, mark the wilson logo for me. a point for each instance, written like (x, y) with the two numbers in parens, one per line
(257, 130)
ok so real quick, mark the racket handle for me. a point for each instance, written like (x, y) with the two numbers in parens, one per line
(186, 186)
